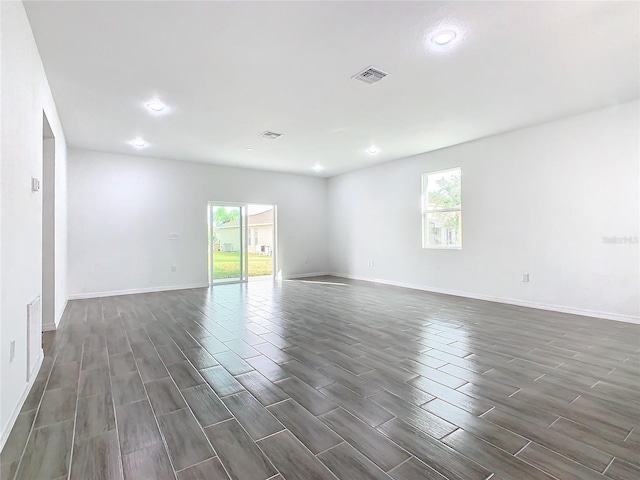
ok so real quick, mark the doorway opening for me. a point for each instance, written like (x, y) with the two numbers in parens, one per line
(48, 225)
(242, 242)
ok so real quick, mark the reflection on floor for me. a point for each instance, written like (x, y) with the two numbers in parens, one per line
(327, 378)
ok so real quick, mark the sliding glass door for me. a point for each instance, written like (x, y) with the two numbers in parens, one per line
(227, 257)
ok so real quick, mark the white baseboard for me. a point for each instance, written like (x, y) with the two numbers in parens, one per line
(620, 317)
(306, 275)
(133, 291)
(6, 429)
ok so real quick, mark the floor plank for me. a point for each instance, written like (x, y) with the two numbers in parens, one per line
(97, 458)
(255, 418)
(314, 434)
(349, 464)
(186, 443)
(292, 459)
(150, 462)
(240, 456)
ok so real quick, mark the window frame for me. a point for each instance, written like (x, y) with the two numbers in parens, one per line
(426, 211)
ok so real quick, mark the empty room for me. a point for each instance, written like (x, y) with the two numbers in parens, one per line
(308, 240)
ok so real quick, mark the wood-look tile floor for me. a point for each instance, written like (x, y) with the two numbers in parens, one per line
(325, 379)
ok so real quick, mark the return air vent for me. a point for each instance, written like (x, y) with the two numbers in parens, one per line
(271, 135)
(370, 75)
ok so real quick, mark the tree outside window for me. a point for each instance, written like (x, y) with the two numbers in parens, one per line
(442, 209)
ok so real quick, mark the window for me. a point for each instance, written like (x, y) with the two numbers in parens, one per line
(442, 209)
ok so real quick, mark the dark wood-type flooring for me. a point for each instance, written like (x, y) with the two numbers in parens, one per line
(324, 379)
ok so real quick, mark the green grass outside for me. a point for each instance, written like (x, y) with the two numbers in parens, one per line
(227, 265)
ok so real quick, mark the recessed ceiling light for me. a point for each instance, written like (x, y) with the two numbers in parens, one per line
(249, 149)
(317, 168)
(372, 150)
(138, 142)
(155, 105)
(443, 37)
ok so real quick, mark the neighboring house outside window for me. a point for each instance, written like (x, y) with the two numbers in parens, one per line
(260, 235)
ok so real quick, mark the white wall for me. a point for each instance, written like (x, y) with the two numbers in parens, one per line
(537, 200)
(123, 208)
(24, 94)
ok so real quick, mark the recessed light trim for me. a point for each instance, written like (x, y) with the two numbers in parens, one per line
(138, 142)
(317, 168)
(249, 149)
(155, 105)
(372, 150)
(443, 37)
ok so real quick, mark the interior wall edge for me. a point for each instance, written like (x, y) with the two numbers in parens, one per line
(49, 327)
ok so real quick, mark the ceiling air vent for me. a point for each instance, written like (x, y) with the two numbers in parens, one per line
(370, 75)
(271, 135)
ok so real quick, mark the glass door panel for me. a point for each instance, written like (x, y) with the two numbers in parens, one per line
(261, 241)
(226, 255)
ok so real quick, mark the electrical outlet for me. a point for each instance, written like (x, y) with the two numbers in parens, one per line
(174, 268)
(12, 350)
(525, 277)
(370, 263)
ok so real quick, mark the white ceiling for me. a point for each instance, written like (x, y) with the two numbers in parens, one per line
(231, 70)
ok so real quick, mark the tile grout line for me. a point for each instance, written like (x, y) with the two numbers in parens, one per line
(113, 402)
(199, 463)
(75, 413)
(279, 401)
(517, 391)
(332, 447)
(521, 449)
(552, 423)
(609, 465)
(484, 413)
(411, 457)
